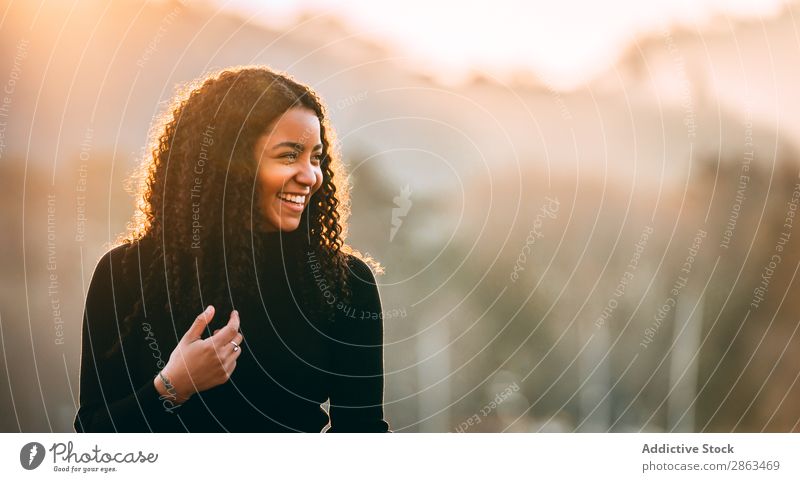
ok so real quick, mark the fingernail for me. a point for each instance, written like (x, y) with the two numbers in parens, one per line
(208, 309)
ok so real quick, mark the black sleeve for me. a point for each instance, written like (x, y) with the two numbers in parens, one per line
(356, 398)
(108, 400)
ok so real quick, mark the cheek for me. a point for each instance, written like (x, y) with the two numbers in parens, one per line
(318, 182)
(269, 181)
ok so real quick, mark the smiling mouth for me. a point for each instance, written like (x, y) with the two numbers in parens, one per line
(297, 198)
(295, 202)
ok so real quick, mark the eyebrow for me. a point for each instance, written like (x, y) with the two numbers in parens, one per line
(295, 145)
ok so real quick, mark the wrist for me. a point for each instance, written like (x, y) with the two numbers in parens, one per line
(166, 388)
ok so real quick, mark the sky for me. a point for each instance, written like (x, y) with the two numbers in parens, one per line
(564, 43)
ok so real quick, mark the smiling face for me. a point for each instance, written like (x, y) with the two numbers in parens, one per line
(289, 155)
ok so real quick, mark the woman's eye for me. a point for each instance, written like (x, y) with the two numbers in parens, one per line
(293, 156)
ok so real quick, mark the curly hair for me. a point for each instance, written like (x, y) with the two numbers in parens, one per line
(201, 172)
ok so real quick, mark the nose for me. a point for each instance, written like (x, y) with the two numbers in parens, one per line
(305, 174)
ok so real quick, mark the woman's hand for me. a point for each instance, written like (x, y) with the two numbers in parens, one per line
(197, 364)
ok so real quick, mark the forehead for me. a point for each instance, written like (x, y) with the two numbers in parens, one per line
(298, 124)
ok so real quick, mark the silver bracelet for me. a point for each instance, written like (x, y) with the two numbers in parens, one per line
(169, 387)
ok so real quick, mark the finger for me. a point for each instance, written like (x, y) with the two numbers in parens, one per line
(228, 350)
(229, 367)
(235, 352)
(196, 330)
(216, 331)
(227, 332)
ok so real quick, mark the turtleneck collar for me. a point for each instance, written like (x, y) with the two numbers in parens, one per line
(295, 238)
(283, 248)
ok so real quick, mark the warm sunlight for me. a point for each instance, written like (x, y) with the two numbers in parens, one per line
(507, 218)
(564, 43)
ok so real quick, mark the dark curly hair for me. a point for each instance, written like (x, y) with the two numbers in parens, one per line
(215, 122)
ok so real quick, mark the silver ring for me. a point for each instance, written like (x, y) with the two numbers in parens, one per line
(235, 346)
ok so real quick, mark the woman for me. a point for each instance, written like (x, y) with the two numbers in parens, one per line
(242, 219)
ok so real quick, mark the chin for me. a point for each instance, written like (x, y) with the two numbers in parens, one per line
(287, 227)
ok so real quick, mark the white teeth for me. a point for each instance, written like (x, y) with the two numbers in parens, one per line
(297, 199)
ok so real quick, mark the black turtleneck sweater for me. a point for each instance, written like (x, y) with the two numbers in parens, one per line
(289, 367)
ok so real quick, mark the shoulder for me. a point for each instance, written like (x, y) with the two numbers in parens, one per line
(361, 277)
(116, 252)
(359, 269)
(109, 269)
(112, 258)
(364, 288)
(360, 320)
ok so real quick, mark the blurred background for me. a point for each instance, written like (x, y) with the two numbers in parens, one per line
(585, 209)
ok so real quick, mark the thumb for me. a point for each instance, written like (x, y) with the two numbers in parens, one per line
(196, 330)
